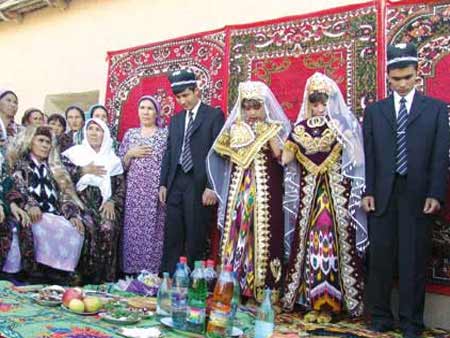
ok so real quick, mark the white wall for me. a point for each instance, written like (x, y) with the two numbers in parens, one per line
(54, 51)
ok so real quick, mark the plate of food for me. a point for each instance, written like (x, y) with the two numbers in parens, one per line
(135, 332)
(49, 296)
(147, 303)
(125, 318)
(79, 310)
(167, 321)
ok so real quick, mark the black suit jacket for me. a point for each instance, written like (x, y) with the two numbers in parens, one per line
(207, 125)
(427, 146)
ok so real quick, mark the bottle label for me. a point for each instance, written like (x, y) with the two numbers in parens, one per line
(196, 315)
(179, 298)
(263, 329)
(219, 318)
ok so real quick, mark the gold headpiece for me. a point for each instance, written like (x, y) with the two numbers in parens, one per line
(251, 90)
(318, 84)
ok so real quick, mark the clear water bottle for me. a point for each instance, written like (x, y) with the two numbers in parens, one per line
(210, 275)
(235, 301)
(179, 297)
(196, 310)
(265, 318)
(183, 260)
(163, 306)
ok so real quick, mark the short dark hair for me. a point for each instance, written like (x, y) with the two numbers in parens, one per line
(316, 96)
(77, 109)
(178, 90)
(27, 114)
(401, 65)
(59, 118)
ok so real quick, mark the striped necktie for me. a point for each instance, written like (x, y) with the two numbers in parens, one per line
(186, 156)
(402, 153)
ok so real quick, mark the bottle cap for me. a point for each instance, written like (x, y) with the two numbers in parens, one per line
(165, 275)
(183, 259)
(228, 268)
(198, 264)
(210, 263)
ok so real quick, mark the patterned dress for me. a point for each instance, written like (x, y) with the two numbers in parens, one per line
(252, 239)
(143, 215)
(53, 241)
(324, 270)
(100, 253)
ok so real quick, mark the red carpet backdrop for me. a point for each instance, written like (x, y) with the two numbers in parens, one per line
(283, 53)
(345, 43)
(143, 70)
(428, 27)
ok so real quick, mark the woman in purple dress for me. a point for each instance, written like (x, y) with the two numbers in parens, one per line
(142, 150)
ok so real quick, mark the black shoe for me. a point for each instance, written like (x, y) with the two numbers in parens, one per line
(411, 333)
(380, 327)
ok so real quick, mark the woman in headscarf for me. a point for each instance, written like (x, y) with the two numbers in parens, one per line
(99, 111)
(52, 244)
(9, 104)
(244, 170)
(323, 195)
(141, 151)
(98, 175)
(33, 116)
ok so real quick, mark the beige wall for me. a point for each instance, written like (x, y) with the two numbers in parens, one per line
(54, 51)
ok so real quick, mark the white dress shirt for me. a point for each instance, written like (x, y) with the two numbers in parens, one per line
(409, 99)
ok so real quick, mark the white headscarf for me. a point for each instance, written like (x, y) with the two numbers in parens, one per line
(219, 168)
(349, 134)
(83, 154)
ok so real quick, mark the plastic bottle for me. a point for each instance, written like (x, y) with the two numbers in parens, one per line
(210, 275)
(183, 259)
(219, 319)
(196, 310)
(235, 301)
(163, 306)
(179, 297)
(265, 318)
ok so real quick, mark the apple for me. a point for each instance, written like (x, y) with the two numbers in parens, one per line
(72, 293)
(76, 305)
(92, 304)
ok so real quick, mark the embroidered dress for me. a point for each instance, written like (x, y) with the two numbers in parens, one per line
(248, 178)
(324, 268)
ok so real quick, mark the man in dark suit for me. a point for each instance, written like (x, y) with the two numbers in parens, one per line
(406, 141)
(184, 185)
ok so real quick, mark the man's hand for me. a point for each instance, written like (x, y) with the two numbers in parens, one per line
(431, 206)
(162, 194)
(35, 214)
(209, 197)
(368, 204)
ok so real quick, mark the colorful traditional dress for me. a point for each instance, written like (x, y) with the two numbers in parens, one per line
(99, 260)
(53, 241)
(144, 216)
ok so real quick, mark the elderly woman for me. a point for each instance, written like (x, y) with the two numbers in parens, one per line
(142, 150)
(33, 117)
(98, 174)
(8, 109)
(55, 238)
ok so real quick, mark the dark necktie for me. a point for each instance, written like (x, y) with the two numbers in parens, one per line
(186, 156)
(402, 153)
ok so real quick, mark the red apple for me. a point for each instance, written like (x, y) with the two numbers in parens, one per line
(72, 293)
